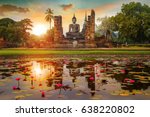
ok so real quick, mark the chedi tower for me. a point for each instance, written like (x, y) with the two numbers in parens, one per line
(90, 30)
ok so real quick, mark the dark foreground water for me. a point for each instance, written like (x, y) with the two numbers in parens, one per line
(75, 77)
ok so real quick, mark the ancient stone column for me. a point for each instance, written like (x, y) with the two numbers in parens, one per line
(90, 31)
(58, 30)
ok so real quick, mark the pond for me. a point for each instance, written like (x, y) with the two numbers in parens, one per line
(75, 77)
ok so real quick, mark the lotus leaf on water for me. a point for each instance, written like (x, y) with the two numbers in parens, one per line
(28, 95)
(137, 92)
(19, 97)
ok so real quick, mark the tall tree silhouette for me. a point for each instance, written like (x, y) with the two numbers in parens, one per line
(49, 16)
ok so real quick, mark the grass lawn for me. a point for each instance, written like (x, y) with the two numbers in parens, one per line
(16, 51)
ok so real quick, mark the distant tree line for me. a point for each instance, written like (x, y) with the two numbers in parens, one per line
(15, 34)
(132, 23)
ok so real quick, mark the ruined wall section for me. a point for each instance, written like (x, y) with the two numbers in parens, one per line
(92, 24)
(90, 30)
(58, 29)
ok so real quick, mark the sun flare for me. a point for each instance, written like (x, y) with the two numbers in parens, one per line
(39, 29)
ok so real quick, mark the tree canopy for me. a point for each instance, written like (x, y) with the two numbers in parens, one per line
(133, 23)
(15, 33)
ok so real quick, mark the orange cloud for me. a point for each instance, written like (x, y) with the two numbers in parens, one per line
(66, 6)
(105, 8)
(11, 8)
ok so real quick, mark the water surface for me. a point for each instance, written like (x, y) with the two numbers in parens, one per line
(75, 77)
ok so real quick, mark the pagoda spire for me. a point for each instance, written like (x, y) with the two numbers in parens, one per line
(74, 16)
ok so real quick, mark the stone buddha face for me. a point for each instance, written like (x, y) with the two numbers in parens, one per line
(74, 20)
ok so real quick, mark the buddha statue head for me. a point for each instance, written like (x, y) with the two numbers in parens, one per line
(74, 19)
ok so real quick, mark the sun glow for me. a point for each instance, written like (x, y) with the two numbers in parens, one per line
(36, 68)
(39, 29)
(41, 70)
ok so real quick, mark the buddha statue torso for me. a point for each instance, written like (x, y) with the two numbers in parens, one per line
(74, 30)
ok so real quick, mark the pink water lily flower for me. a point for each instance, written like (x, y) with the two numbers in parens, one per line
(132, 81)
(91, 78)
(42, 94)
(126, 79)
(102, 71)
(59, 85)
(17, 79)
(123, 71)
(25, 79)
(14, 87)
(40, 84)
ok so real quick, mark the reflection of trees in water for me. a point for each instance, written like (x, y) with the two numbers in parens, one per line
(55, 77)
(52, 82)
(137, 85)
(49, 82)
(131, 66)
(74, 72)
(146, 69)
(74, 67)
(58, 81)
(76, 64)
(91, 86)
(74, 80)
(137, 67)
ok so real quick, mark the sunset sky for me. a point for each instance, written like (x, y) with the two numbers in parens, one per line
(35, 9)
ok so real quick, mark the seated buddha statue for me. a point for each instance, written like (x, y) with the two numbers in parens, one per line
(74, 30)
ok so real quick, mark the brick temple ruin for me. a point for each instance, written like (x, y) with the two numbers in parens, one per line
(75, 37)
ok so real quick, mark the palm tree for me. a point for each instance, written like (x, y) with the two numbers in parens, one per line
(49, 16)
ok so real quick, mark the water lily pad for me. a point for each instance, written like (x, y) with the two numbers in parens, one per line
(19, 97)
(16, 92)
(137, 92)
(23, 90)
(147, 93)
(124, 94)
(28, 95)
(4, 80)
(135, 72)
(114, 93)
(141, 77)
(145, 82)
(130, 84)
(79, 93)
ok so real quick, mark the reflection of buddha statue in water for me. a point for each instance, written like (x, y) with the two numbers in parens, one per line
(74, 30)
